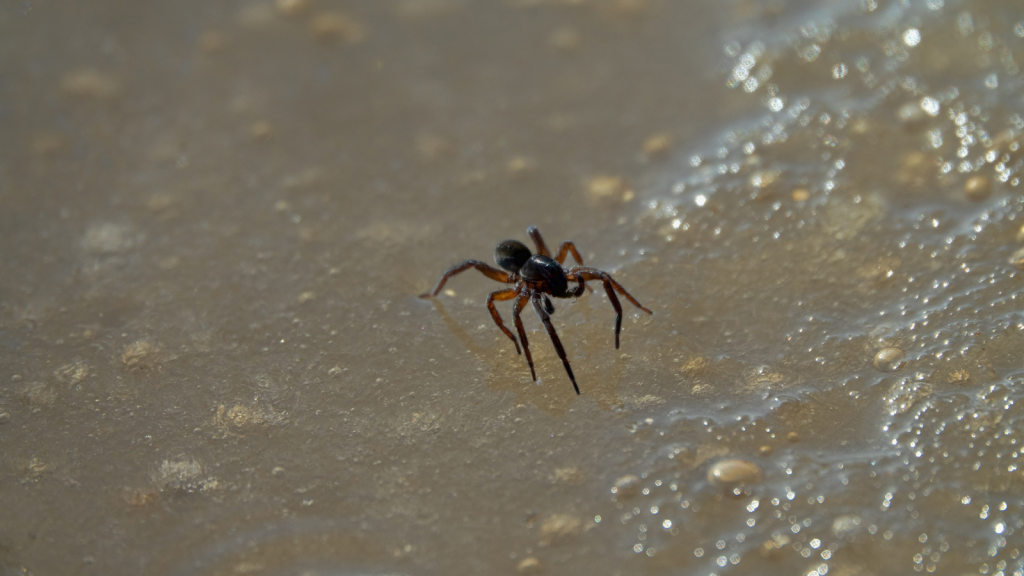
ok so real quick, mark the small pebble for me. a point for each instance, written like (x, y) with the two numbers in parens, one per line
(48, 144)
(335, 25)
(765, 450)
(1017, 259)
(960, 376)
(140, 355)
(611, 187)
(5, 417)
(658, 145)
(240, 416)
(89, 83)
(801, 195)
(559, 526)
(889, 359)
(734, 473)
(261, 130)
(565, 38)
(978, 188)
(626, 486)
(529, 565)
(793, 436)
(520, 166)
(695, 367)
(844, 526)
(277, 471)
(211, 41)
(432, 147)
(292, 7)
(419, 9)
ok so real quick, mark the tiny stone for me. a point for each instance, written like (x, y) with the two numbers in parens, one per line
(565, 38)
(277, 471)
(765, 450)
(610, 187)
(626, 486)
(960, 376)
(658, 145)
(520, 166)
(261, 130)
(5, 417)
(734, 473)
(793, 437)
(335, 25)
(211, 41)
(559, 526)
(844, 526)
(695, 367)
(889, 359)
(240, 416)
(89, 83)
(292, 7)
(1017, 259)
(140, 355)
(529, 565)
(48, 144)
(16, 378)
(978, 187)
(801, 195)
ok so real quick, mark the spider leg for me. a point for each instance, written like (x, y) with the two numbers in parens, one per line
(500, 296)
(516, 309)
(487, 270)
(548, 306)
(546, 319)
(595, 274)
(571, 277)
(611, 287)
(567, 248)
(542, 248)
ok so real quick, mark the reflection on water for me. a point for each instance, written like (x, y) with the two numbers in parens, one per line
(216, 219)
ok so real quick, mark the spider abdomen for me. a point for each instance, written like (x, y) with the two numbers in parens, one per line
(511, 255)
(545, 272)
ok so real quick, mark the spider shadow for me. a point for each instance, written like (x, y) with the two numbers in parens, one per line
(550, 394)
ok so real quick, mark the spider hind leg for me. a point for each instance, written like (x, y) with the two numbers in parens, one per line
(546, 319)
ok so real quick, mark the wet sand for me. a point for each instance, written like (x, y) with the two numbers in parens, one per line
(215, 221)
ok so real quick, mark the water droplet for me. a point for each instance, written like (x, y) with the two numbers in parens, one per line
(930, 106)
(889, 359)
(912, 37)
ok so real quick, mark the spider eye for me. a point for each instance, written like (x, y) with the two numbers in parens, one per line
(511, 255)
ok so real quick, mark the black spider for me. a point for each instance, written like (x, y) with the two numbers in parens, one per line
(535, 276)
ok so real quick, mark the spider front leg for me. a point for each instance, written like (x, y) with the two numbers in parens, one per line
(542, 248)
(611, 287)
(567, 248)
(546, 319)
(516, 309)
(487, 270)
(500, 296)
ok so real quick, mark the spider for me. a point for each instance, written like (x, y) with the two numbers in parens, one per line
(535, 277)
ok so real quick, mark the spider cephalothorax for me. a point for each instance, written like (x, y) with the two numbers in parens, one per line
(535, 277)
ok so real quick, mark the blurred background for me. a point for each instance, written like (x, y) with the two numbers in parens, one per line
(215, 219)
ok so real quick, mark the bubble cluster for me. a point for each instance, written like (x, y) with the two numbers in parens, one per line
(869, 212)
